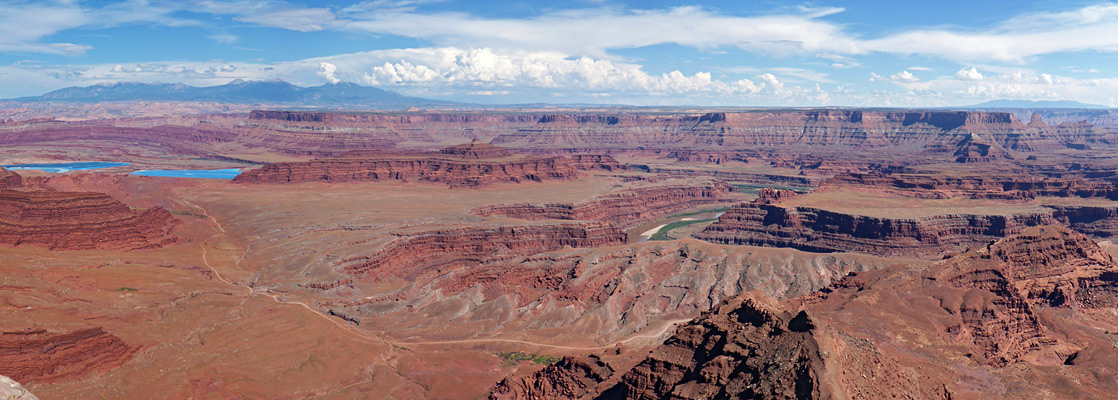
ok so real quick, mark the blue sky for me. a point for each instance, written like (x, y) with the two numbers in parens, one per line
(725, 53)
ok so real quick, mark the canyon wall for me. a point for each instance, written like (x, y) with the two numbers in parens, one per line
(79, 221)
(978, 187)
(820, 230)
(906, 131)
(623, 208)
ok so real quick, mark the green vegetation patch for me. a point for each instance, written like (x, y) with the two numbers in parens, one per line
(700, 212)
(662, 234)
(187, 213)
(126, 289)
(517, 356)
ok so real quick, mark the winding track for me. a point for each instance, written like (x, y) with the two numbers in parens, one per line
(368, 336)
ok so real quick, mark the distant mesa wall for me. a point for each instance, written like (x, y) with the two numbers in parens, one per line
(80, 221)
(813, 229)
(622, 208)
(470, 164)
(902, 131)
(39, 356)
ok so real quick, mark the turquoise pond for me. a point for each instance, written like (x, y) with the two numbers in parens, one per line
(66, 167)
(191, 173)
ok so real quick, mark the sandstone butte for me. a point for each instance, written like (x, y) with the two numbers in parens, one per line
(80, 221)
(1031, 300)
(471, 164)
(622, 208)
(38, 356)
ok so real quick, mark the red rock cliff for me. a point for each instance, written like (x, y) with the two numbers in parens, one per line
(456, 172)
(78, 221)
(813, 229)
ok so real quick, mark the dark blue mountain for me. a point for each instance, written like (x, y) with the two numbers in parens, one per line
(241, 91)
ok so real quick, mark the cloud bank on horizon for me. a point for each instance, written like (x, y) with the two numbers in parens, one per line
(851, 53)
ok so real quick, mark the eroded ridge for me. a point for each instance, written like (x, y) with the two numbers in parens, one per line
(80, 221)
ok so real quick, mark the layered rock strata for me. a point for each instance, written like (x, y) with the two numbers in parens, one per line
(623, 208)
(412, 257)
(813, 229)
(80, 221)
(39, 356)
(456, 172)
(901, 131)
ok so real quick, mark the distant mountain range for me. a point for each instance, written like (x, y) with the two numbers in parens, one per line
(241, 91)
(1032, 104)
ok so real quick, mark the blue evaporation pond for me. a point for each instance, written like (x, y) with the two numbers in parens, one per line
(191, 173)
(66, 167)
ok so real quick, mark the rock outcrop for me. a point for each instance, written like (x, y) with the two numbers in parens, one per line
(813, 229)
(9, 179)
(39, 356)
(12, 390)
(622, 208)
(80, 221)
(476, 149)
(746, 347)
(773, 196)
(597, 162)
(999, 303)
(570, 378)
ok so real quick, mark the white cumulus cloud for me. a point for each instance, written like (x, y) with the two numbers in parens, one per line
(969, 74)
(326, 71)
